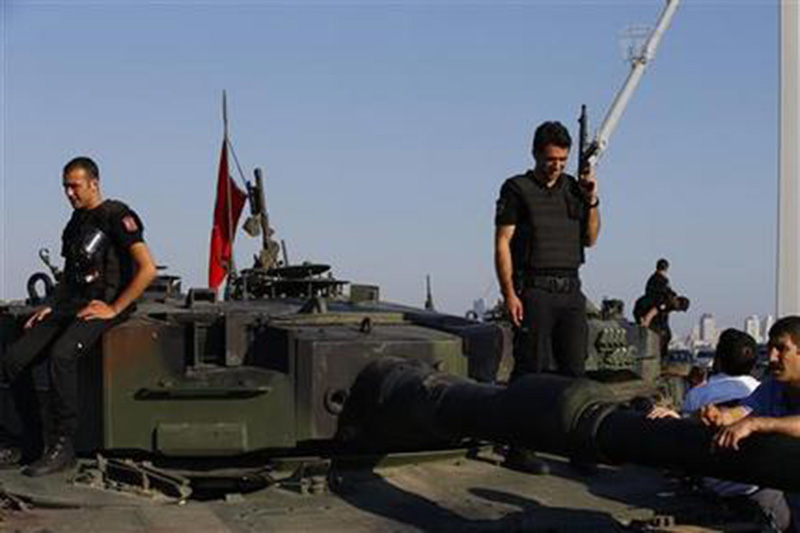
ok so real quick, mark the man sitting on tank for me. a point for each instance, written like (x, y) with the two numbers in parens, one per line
(729, 384)
(107, 267)
(774, 407)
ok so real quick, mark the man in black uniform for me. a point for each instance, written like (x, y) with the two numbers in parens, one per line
(652, 310)
(658, 282)
(107, 267)
(544, 219)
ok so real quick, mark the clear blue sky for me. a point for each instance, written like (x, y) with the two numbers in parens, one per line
(386, 128)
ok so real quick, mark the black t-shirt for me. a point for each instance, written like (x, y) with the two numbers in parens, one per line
(658, 286)
(108, 231)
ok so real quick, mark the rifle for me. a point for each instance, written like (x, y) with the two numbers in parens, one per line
(586, 150)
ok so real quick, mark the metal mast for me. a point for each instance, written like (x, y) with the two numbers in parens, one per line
(788, 271)
(639, 63)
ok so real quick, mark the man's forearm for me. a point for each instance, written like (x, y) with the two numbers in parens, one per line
(593, 226)
(787, 425)
(134, 289)
(503, 267)
(145, 274)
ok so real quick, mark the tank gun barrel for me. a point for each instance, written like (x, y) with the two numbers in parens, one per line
(399, 403)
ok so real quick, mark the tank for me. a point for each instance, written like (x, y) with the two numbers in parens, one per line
(298, 376)
(190, 376)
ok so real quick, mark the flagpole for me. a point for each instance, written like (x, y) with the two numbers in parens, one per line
(228, 182)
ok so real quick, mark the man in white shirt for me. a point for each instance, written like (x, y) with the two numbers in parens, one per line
(730, 376)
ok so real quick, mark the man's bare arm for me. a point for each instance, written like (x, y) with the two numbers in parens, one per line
(785, 425)
(593, 226)
(144, 275)
(648, 317)
(504, 269)
(593, 221)
(732, 435)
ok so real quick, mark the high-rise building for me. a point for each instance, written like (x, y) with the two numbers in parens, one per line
(768, 321)
(694, 336)
(479, 307)
(752, 326)
(708, 329)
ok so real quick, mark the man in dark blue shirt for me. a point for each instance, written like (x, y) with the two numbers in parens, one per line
(774, 407)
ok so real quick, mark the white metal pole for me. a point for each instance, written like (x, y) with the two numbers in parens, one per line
(788, 275)
(638, 65)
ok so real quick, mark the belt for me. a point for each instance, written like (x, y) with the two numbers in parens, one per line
(553, 283)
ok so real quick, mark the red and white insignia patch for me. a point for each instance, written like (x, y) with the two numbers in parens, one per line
(130, 224)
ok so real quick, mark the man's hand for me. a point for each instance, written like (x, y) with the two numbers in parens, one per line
(96, 310)
(711, 415)
(38, 316)
(730, 436)
(662, 412)
(514, 307)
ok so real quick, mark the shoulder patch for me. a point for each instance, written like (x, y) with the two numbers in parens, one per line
(130, 223)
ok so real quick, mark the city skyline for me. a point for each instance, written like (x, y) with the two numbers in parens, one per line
(706, 332)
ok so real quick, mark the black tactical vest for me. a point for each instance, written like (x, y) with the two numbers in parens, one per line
(550, 234)
(102, 275)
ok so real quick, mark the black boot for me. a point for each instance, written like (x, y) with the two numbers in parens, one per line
(525, 460)
(57, 458)
(10, 457)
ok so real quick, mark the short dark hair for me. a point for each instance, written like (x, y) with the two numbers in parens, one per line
(662, 264)
(551, 132)
(788, 325)
(85, 163)
(736, 353)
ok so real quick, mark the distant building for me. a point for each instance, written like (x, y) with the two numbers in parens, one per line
(694, 337)
(708, 329)
(768, 321)
(479, 307)
(752, 326)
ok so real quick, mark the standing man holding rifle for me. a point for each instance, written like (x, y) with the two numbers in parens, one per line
(544, 220)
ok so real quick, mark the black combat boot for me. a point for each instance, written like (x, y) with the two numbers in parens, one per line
(525, 460)
(57, 458)
(10, 457)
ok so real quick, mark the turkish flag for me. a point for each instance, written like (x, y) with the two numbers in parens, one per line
(225, 221)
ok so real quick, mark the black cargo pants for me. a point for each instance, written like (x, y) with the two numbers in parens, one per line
(553, 334)
(59, 340)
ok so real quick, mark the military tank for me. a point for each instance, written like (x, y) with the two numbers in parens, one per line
(299, 381)
(269, 368)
